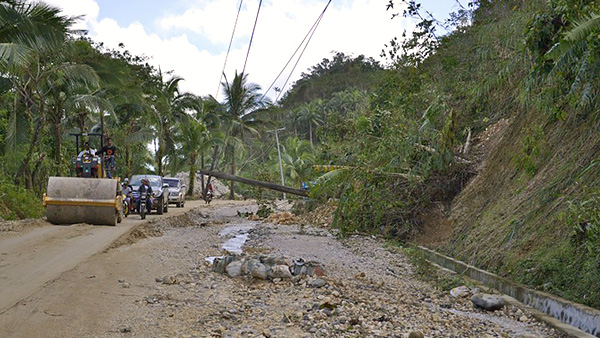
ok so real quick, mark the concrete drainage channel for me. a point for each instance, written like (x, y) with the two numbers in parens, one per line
(585, 318)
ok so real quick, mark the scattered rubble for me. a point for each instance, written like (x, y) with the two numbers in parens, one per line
(370, 289)
(266, 267)
(322, 216)
(285, 217)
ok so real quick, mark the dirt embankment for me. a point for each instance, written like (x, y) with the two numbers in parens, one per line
(156, 282)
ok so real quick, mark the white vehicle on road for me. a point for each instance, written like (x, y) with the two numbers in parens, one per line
(176, 191)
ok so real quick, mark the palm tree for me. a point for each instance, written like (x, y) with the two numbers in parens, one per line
(169, 107)
(71, 86)
(129, 84)
(295, 116)
(31, 35)
(298, 159)
(192, 137)
(311, 114)
(213, 115)
(242, 99)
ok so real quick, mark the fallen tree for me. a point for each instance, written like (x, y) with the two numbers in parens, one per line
(261, 184)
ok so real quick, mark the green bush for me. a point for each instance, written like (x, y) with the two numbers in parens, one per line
(18, 203)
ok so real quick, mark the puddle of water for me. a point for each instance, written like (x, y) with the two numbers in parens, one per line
(238, 235)
(234, 245)
(236, 229)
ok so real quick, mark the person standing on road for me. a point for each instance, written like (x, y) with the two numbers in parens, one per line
(109, 152)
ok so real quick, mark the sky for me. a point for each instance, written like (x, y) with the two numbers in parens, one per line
(191, 37)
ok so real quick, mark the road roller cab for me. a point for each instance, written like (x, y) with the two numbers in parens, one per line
(87, 165)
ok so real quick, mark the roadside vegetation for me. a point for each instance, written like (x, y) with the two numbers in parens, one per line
(396, 145)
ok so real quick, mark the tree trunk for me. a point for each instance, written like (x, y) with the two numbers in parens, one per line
(56, 120)
(202, 168)
(213, 164)
(193, 159)
(231, 186)
(38, 188)
(24, 172)
(81, 123)
(261, 184)
(159, 157)
(127, 159)
(310, 134)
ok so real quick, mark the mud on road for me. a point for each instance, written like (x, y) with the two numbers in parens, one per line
(155, 281)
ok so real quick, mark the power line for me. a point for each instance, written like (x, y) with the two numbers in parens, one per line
(299, 57)
(252, 36)
(229, 48)
(291, 57)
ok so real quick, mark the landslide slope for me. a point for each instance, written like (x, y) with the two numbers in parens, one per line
(530, 213)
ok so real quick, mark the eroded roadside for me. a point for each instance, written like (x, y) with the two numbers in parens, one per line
(155, 281)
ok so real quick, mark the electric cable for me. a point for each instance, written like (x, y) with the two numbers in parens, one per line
(229, 48)
(292, 57)
(252, 36)
(303, 50)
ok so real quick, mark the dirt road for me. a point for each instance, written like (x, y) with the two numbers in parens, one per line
(154, 281)
(30, 259)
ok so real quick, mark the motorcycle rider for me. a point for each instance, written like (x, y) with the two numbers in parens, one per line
(145, 187)
(109, 152)
(209, 193)
(127, 189)
(127, 192)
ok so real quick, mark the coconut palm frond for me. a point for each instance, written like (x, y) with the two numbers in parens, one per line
(80, 73)
(16, 131)
(582, 28)
(143, 135)
(14, 55)
(331, 175)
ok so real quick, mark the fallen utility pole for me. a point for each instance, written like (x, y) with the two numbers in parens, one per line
(261, 184)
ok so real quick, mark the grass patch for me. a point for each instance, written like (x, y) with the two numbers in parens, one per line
(18, 203)
(425, 271)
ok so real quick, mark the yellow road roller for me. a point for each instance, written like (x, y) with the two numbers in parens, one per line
(83, 200)
(90, 199)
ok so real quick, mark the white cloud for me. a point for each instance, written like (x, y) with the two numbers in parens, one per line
(176, 53)
(214, 20)
(89, 9)
(357, 27)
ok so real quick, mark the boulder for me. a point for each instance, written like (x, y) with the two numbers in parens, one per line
(234, 269)
(488, 302)
(280, 271)
(220, 263)
(460, 292)
(259, 270)
(317, 283)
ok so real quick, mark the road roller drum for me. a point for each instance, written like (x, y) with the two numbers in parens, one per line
(82, 200)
